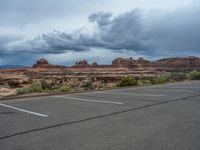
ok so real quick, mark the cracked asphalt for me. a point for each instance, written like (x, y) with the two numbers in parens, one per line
(156, 117)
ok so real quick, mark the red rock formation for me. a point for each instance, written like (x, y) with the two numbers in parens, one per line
(130, 62)
(94, 64)
(82, 63)
(143, 62)
(124, 62)
(43, 63)
(178, 62)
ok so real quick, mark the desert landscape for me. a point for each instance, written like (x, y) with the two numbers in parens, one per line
(99, 75)
(43, 77)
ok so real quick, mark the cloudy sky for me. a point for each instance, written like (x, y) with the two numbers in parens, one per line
(64, 31)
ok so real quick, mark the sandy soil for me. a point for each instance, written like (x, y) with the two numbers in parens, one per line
(6, 92)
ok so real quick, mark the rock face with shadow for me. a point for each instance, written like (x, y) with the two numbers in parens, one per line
(130, 62)
(178, 62)
(43, 63)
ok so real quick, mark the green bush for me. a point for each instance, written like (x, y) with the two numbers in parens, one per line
(160, 80)
(127, 81)
(178, 76)
(45, 85)
(88, 85)
(195, 75)
(34, 88)
(65, 89)
(22, 91)
(146, 82)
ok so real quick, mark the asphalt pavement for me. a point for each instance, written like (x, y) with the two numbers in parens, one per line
(160, 117)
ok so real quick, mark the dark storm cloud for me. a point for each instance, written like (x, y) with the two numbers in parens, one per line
(101, 18)
(176, 32)
(55, 42)
(121, 32)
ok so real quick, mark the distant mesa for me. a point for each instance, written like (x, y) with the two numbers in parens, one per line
(82, 63)
(43, 63)
(95, 64)
(130, 63)
(178, 62)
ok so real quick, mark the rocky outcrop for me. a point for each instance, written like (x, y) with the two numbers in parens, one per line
(14, 82)
(82, 63)
(130, 62)
(171, 63)
(178, 62)
(94, 64)
(43, 63)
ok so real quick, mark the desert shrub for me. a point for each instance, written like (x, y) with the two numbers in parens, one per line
(160, 80)
(65, 89)
(22, 91)
(140, 83)
(88, 85)
(195, 75)
(35, 87)
(178, 76)
(127, 81)
(45, 85)
(146, 82)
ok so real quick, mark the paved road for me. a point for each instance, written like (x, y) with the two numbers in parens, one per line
(162, 117)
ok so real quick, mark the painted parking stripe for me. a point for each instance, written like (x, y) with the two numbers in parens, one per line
(23, 110)
(136, 94)
(89, 100)
(165, 90)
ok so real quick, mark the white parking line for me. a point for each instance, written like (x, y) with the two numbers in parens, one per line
(26, 111)
(88, 100)
(159, 90)
(136, 94)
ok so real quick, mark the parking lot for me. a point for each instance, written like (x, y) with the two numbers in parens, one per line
(153, 117)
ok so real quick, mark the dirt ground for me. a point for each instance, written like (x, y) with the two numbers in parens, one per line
(6, 92)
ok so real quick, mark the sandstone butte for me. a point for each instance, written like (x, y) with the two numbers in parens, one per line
(185, 63)
(82, 71)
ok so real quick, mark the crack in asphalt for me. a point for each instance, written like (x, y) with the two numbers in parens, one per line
(8, 112)
(96, 117)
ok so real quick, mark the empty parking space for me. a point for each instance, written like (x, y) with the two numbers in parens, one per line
(59, 114)
(23, 110)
